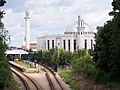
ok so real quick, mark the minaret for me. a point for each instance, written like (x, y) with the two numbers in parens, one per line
(80, 27)
(27, 30)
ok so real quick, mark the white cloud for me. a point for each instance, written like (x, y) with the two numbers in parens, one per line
(53, 16)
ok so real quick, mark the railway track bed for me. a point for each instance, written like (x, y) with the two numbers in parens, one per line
(46, 79)
(29, 83)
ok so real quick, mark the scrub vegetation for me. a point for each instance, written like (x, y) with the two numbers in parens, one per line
(6, 79)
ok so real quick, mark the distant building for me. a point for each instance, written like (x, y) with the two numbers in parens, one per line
(12, 54)
(32, 46)
(79, 36)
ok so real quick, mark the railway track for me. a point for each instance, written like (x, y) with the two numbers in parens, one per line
(53, 81)
(26, 87)
(28, 82)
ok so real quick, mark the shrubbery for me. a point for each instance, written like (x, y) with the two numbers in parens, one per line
(69, 79)
(84, 65)
(6, 80)
(107, 48)
(51, 58)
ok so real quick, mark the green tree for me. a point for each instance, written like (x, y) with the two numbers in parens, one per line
(107, 48)
(83, 65)
(55, 60)
(6, 80)
(64, 57)
(38, 56)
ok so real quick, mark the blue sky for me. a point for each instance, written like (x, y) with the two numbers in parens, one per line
(52, 16)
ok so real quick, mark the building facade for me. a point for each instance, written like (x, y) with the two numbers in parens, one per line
(32, 46)
(77, 37)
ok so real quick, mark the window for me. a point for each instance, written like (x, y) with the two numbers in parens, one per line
(85, 44)
(74, 44)
(52, 44)
(68, 45)
(64, 44)
(91, 44)
(48, 43)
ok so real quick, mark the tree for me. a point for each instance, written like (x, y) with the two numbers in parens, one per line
(55, 60)
(83, 58)
(6, 79)
(107, 48)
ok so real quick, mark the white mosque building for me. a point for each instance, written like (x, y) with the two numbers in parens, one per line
(80, 36)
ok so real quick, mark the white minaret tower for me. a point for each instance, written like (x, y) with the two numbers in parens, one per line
(27, 30)
(80, 28)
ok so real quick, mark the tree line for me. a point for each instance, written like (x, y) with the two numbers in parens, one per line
(6, 79)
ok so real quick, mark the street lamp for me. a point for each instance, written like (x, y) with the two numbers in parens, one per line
(58, 49)
(58, 55)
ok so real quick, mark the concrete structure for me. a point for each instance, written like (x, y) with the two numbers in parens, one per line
(32, 45)
(27, 30)
(15, 53)
(79, 36)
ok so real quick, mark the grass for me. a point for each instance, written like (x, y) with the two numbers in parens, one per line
(69, 79)
(25, 64)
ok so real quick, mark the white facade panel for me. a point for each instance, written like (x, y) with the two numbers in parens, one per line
(58, 42)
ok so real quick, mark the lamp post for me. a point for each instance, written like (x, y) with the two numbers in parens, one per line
(58, 49)
(58, 55)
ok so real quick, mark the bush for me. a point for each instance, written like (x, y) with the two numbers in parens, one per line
(107, 48)
(6, 80)
(89, 71)
(69, 79)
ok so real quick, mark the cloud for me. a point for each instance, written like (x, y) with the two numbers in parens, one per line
(15, 5)
(52, 16)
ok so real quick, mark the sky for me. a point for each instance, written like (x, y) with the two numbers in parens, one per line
(52, 16)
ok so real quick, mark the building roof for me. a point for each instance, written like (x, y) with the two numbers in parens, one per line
(73, 28)
(16, 51)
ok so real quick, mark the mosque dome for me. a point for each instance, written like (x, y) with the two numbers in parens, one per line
(73, 28)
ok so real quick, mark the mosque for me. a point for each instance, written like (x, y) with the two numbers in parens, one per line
(79, 36)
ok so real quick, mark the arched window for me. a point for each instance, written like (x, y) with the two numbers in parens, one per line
(91, 44)
(68, 45)
(74, 44)
(48, 43)
(85, 44)
(52, 44)
(64, 44)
